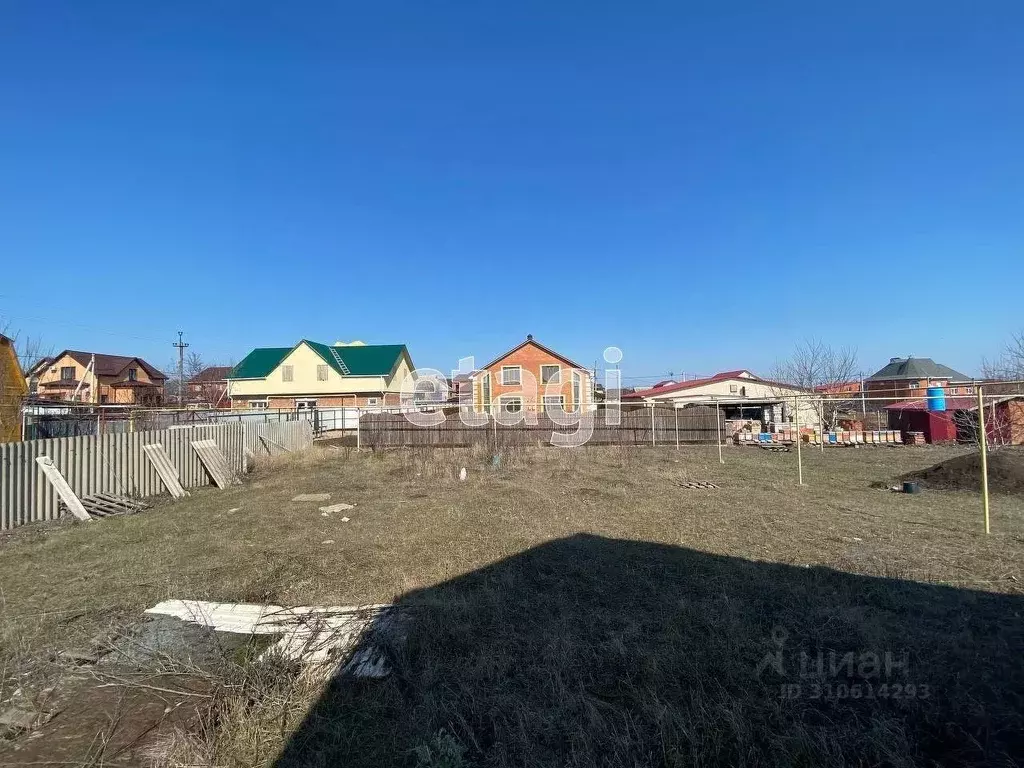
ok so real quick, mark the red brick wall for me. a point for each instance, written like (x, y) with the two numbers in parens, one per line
(531, 358)
(322, 401)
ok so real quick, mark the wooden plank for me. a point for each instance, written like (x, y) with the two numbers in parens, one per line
(267, 442)
(215, 463)
(168, 474)
(100, 507)
(67, 495)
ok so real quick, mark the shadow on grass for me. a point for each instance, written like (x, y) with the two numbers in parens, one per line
(590, 651)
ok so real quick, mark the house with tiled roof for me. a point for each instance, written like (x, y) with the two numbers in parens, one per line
(313, 375)
(98, 378)
(908, 378)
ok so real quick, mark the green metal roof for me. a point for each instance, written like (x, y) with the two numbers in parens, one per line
(369, 360)
(259, 363)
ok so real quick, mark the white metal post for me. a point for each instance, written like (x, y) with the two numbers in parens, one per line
(652, 426)
(675, 412)
(718, 429)
(821, 423)
(799, 455)
(983, 444)
(358, 435)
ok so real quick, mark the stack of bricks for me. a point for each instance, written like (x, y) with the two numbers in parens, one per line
(915, 438)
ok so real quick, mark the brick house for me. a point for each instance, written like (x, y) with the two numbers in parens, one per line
(93, 377)
(312, 375)
(530, 376)
(210, 386)
(909, 379)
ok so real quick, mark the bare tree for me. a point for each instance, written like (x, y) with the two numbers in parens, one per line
(194, 365)
(822, 369)
(1008, 368)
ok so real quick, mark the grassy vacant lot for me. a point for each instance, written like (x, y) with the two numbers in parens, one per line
(576, 608)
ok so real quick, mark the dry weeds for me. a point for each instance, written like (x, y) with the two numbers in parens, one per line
(571, 607)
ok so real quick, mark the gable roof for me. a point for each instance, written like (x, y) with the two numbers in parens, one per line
(39, 364)
(362, 360)
(741, 374)
(211, 374)
(371, 359)
(916, 368)
(259, 363)
(530, 340)
(109, 365)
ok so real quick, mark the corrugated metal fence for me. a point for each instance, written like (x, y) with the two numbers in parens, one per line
(117, 464)
(660, 425)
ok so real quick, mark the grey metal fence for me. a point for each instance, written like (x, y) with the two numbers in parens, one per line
(101, 421)
(116, 463)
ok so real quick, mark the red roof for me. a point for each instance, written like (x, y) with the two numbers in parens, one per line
(721, 376)
(214, 373)
(952, 404)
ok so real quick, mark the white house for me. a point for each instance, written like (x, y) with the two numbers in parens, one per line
(740, 394)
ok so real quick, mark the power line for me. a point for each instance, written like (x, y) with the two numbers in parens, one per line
(181, 368)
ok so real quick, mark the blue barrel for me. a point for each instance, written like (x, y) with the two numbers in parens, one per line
(936, 399)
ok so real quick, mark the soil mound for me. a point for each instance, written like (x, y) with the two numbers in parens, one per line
(963, 473)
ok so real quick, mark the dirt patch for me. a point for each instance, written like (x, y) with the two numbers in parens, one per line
(963, 473)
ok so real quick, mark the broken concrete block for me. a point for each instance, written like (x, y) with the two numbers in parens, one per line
(313, 497)
(337, 508)
(344, 519)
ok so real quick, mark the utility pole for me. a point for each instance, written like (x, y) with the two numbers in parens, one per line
(181, 369)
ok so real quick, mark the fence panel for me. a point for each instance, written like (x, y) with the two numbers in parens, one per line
(637, 426)
(115, 463)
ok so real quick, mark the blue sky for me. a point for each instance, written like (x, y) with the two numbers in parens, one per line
(700, 184)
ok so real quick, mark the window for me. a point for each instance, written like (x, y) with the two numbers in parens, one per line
(485, 392)
(104, 398)
(914, 385)
(512, 404)
(554, 401)
(371, 401)
(550, 374)
(734, 388)
(321, 373)
(67, 373)
(511, 374)
(577, 390)
(287, 373)
(133, 374)
(258, 403)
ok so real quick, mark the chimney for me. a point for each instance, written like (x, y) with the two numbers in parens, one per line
(529, 337)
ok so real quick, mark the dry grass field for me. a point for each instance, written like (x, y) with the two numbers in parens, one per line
(573, 608)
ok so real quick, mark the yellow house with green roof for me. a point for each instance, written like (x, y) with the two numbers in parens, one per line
(314, 375)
